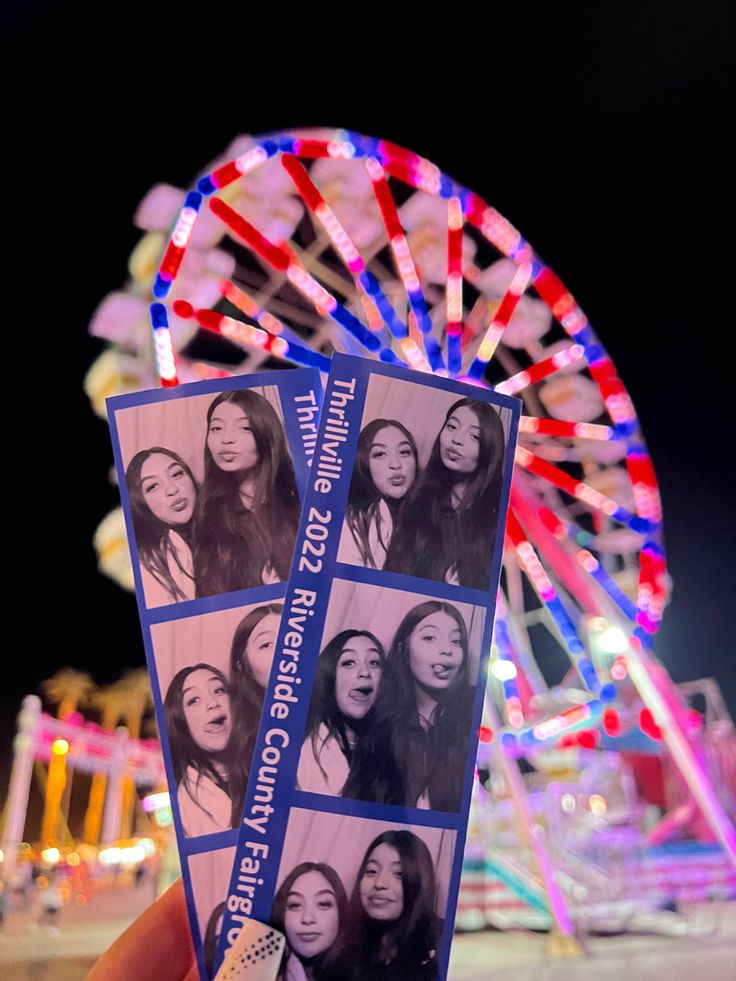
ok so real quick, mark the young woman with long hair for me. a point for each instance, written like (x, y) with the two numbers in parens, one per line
(309, 909)
(392, 929)
(199, 725)
(163, 495)
(447, 526)
(386, 466)
(248, 508)
(251, 654)
(345, 688)
(415, 752)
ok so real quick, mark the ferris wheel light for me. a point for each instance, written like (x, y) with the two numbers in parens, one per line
(612, 640)
(60, 747)
(503, 670)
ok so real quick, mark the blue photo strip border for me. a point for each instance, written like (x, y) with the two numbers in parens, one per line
(264, 826)
(300, 420)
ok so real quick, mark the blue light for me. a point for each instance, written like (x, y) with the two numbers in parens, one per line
(158, 316)
(351, 323)
(161, 286)
(607, 692)
(205, 185)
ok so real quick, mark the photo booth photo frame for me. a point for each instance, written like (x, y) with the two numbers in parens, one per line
(212, 477)
(372, 712)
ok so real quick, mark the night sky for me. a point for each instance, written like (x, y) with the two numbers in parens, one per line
(599, 132)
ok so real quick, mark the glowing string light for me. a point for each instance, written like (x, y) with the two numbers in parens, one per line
(404, 261)
(454, 286)
(543, 369)
(251, 337)
(580, 491)
(163, 346)
(282, 259)
(177, 245)
(542, 584)
(500, 320)
(371, 288)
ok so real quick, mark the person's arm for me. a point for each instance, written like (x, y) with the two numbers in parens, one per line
(157, 947)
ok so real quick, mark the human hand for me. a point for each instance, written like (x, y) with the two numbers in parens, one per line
(157, 947)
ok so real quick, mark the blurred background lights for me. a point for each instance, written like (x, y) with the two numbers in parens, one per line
(503, 669)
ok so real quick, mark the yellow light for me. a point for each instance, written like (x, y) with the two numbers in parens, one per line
(73, 858)
(2, 855)
(60, 747)
(51, 855)
(597, 805)
(24, 848)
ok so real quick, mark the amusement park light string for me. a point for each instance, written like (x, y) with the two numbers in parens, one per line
(345, 248)
(454, 286)
(404, 262)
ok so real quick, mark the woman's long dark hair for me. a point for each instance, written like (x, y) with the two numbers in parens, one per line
(380, 767)
(323, 708)
(410, 941)
(247, 696)
(211, 936)
(431, 538)
(233, 544)
(185, 752)
(151, 534)
(364, 498)
(278, 913)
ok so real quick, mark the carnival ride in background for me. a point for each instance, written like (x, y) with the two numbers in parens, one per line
(295, 244)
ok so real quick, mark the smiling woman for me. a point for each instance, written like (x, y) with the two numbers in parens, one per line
(392, 930)
(163, 495)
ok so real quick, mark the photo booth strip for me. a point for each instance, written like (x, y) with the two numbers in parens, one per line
(422, 403)
(181, 632)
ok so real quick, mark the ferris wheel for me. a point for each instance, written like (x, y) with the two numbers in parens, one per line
(298, 243)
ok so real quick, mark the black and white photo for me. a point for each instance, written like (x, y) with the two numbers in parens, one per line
(212, 671)
(390, 713)
(425, 489)
(212, 491)
(361, 900)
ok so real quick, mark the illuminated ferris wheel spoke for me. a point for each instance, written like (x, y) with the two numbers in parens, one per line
(580, 490)
(506, 308)
(585, 558)
(251, 308)
(250, 337)
(543, 369)
(282, 259)
(454, 285)
(344, 247)
(504, 669)
(563, 429)
(518, 636)
(542, 585)
(404, 263)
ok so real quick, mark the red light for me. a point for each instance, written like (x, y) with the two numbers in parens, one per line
(485, 734)
(648, 726)
(587, 739)
(611, 723)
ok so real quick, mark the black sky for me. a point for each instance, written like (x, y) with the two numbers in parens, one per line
(601, 133)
